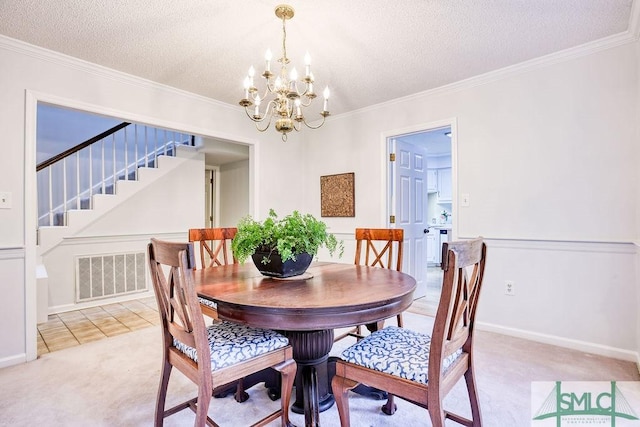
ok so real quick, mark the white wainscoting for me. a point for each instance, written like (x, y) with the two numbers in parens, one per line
(12, 307)
(579, 295)
(60, 264)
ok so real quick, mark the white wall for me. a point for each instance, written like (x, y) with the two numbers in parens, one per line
(637, 179)
(234, 192)
(557, 141)
(548, 155)
(554, 141)
(30, 73)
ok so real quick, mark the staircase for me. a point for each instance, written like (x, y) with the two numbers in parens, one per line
(89, 180)
(78, 219)
(96, 221)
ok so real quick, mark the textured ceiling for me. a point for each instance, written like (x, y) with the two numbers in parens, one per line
(367, 51)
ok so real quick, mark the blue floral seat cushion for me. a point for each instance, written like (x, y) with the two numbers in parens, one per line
(206, 302)
(231, 343)
(396, 351)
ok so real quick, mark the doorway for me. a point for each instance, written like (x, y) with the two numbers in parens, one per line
(31, 203)
(211, 196)
(227, 181)
(421, 200)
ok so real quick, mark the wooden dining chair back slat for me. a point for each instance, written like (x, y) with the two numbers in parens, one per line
(197, 350)
(214, 245)
(173, 306)
(375, 247)
(379, 247)
(448, 349)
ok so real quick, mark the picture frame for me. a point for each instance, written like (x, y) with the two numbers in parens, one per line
(337, 195)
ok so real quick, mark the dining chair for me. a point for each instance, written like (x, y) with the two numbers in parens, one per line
(214, 245)
(375, 248)
(418, 367)
(215, 249)
(209, 356)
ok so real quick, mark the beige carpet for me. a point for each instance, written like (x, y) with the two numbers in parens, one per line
(113, 382)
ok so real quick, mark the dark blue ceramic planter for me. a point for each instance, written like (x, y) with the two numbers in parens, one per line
(276, 268)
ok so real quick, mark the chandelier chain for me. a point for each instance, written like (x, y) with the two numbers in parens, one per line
(285, 60)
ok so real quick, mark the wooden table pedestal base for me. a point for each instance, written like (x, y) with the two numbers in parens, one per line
(311, 352)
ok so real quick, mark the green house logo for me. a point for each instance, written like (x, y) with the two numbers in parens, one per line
(587, 406)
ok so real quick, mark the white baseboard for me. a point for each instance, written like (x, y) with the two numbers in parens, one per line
(16, 359)
(587, 347)
(98, 302)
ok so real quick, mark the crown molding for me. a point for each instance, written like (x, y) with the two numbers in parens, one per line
(634, 20)
(61, 59)
(632, 34)
(629, 36)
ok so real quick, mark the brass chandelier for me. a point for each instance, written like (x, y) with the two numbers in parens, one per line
(286, 107)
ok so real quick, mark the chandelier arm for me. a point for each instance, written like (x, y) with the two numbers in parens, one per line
(246, 110)
(314, 127)
(306, 90)
(268, 90)
(266, 127)
(303, 104)
(271, 108)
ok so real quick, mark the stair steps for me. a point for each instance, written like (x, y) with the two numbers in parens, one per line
(78, 219)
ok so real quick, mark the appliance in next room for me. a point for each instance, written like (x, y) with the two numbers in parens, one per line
(444, 236)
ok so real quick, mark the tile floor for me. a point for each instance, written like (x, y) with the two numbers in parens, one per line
(434, 287)
(82, 326)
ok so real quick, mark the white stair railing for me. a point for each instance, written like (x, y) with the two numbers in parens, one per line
(70, 182)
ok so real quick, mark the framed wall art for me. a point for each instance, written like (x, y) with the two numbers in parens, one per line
(337, 195)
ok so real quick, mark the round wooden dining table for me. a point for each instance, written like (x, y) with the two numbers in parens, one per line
(307, 309)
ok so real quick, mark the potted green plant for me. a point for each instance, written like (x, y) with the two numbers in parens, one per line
(282, 247)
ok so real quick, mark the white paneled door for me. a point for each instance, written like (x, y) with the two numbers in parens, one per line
(410, 190)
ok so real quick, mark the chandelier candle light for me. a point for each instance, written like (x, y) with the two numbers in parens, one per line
(286, 107)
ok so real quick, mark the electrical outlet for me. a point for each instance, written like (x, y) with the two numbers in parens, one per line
(509, 288)
(5, 200)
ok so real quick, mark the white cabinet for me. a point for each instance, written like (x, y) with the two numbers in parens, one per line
(444, 185)
(432, 180)
(433, 241)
